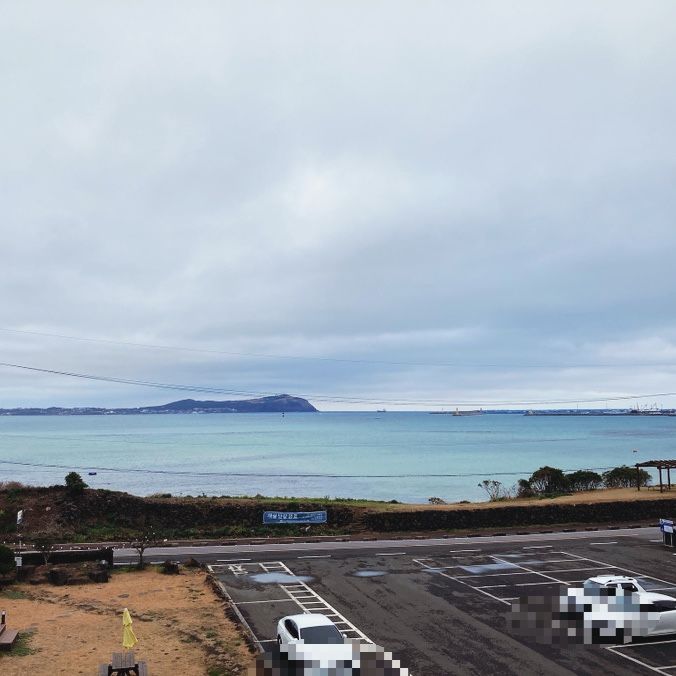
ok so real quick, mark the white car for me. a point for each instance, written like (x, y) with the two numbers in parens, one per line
(629, 584)
(314, 639)
(310, 628)
(657, 615)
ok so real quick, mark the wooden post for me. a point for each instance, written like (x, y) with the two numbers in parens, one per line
(669, 477)
(661, 487)
(638, 478)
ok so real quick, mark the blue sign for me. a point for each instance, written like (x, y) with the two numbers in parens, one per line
(666, 525)
(294, 517)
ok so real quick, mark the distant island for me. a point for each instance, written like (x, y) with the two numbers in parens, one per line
(280, 403)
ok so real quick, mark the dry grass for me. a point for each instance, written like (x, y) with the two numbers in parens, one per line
(178, 620)
(601, 495)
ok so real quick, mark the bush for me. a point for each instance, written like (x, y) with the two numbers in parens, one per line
(6, 560)
(584, 480)
(524, 489)
(436, 501)
(494, 489)
(75, 484)
(625, 477)
(548, 480)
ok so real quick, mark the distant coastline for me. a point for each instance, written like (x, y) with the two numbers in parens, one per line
(281, 403)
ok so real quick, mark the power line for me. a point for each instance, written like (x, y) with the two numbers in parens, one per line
(264, 475)
(339, 360)
(333, 398)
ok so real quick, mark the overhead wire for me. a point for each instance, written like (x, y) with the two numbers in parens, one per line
(333, 398)
(340, 360)
(266, 475)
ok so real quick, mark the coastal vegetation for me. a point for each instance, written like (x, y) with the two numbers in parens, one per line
(551, 482)
(110, 516)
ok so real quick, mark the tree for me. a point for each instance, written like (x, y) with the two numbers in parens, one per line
(7, 564)
(524, 489)
(625, 477)
(44, 543)
(494, 489)
(584, 480)
(548, 480)
(147, 538)
(75, 484)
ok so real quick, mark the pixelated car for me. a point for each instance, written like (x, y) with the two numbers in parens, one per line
(313, 639)
(629, 584)
(643, 613)
(310, 628)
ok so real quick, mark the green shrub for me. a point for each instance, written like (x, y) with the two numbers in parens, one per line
(74, 483)
(584, 480)
(6, 560)
(625, 477)
(548, 480)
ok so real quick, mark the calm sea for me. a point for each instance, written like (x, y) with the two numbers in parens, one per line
(195, 454)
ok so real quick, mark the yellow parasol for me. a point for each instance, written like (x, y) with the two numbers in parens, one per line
(129, 639)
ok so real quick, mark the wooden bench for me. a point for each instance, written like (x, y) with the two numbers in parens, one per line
(123, 663)
(7, 636)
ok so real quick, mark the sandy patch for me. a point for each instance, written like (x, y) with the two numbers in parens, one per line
(178, 620)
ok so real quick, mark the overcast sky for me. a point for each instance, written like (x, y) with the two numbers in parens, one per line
(480, 193)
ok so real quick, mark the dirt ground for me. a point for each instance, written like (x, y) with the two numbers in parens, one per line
(178, 620)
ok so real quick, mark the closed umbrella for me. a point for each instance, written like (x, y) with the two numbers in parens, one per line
(129, 639)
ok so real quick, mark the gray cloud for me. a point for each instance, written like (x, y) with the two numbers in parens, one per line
(475, 183)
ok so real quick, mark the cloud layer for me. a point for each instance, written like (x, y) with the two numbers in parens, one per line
(483, 185)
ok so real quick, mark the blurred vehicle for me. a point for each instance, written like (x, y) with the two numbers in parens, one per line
(310, 628)
(629, 584)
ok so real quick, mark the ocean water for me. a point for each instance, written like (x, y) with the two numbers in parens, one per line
(271, 454)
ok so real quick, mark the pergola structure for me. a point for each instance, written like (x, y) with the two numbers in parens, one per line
(658, 465)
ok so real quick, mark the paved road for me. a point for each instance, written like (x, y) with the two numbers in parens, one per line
(441, 605)
(213, 553)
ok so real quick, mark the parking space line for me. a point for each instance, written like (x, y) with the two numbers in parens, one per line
(390, 553)
(461, 577)
(231, 560)
(457, 551)
(626, 570)
(450, 577)
(315, 556)
(244, 603)
(539, 547)
(614, 650)
(530, 570)
(604, 543)
(638, 645)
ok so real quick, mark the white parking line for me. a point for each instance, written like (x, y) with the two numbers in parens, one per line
(626, 570)
(457, 551)
(613, 649)
(390, 553)
(539, 547)
(530, 570)
(231, 560)
(315, 556)
(450, 577)
(246, 603)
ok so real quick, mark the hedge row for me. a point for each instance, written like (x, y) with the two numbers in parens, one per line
(501, 517)
(69, 556)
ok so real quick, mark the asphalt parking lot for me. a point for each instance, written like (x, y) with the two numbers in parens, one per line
(443, 611)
